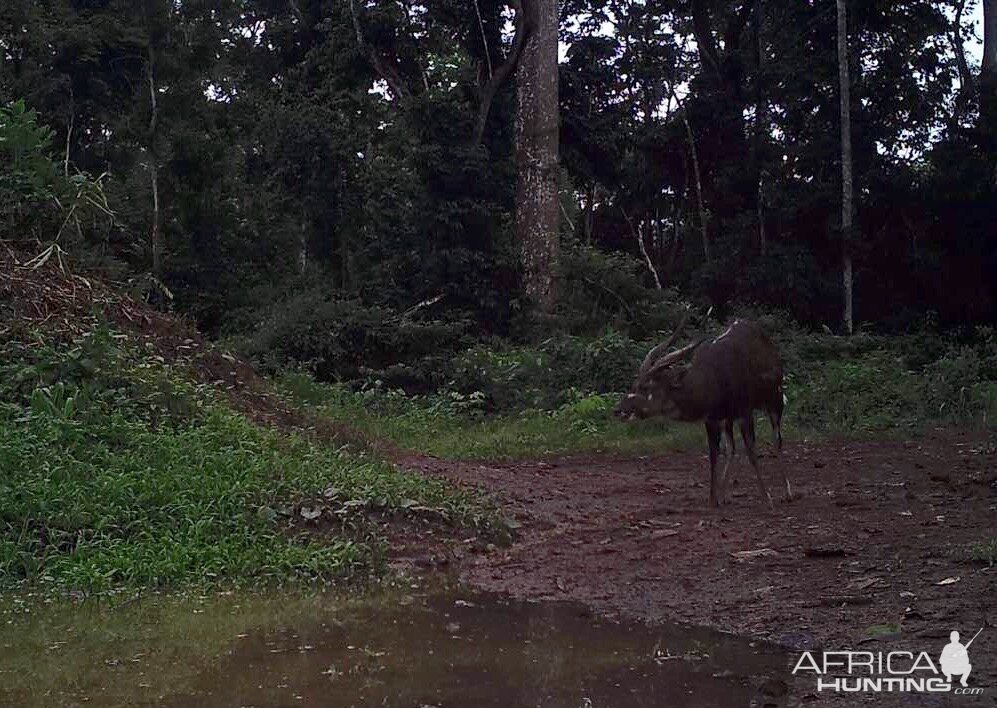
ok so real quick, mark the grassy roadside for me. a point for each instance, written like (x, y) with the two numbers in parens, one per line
(117, 471)
(862, 387)
(453, 428)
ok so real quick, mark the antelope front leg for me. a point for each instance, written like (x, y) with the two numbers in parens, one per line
(785, 478)
(713, 435)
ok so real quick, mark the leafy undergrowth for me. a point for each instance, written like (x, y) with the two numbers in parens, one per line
(116, 470)
(520, 402)
(454, 427)
(869, 385)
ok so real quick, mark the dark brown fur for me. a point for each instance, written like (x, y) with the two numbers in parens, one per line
(728, 378)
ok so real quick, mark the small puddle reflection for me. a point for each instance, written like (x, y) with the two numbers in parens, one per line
(438, 649)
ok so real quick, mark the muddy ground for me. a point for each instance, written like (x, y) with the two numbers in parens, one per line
(873, 553)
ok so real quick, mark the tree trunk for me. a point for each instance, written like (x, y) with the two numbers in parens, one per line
(302, 248)
(988, 74)
(537, 207)
(703, 228)
(761, 124)
(589, 218)
(155, 235)
(846, 164)
(989, 36)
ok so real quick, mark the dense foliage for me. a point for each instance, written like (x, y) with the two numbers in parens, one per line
(557, 396)
(307, 175)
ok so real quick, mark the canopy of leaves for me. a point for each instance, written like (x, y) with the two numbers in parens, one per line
(324, 152)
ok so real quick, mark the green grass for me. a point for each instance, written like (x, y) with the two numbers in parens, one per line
(874, 393)
(453, 428)
(106, 481)
(858, 387)
(117, 471)
(985, 552)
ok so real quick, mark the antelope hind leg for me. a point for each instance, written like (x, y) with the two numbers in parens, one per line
(727, 479)
(775, 417)
(748, 435)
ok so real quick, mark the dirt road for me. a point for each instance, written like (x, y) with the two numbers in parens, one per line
(874, 552)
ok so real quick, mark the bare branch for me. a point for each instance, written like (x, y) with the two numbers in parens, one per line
(428, 302)
(643, 249)
(694, 154)
(567, 219)
(69, 138)
(484, 39)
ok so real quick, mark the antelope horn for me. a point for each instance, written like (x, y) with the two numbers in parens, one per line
(676, 355)
(656, 352)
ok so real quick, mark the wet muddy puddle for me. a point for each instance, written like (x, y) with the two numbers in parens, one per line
(406, 649)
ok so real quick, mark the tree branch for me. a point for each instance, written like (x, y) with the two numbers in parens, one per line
(702, 30)
(965, 76)
(395, 83)
(643, 249)
(694, 154)
(989, 63)
(736, 26)
(484, 39)
(524, 28)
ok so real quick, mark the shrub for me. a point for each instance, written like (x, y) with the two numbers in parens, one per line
(28, 175)
(38, 201)
(116, 470)
(870, 392)
(955, 389)
(346, 339)
(549, 374)
(93, 376)
(600, 290)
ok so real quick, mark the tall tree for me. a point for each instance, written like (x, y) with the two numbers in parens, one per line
(988, 71)
(989, 35)
(537, 206)
(846, 163)
(761, 120)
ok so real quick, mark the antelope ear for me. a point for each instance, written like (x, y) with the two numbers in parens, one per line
(678, 377)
